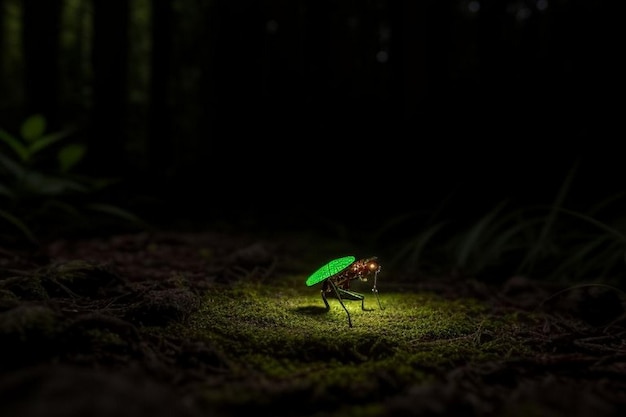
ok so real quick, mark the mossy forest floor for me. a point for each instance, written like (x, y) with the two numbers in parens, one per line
(209, 324)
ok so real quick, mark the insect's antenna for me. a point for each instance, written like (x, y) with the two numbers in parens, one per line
(375, 290)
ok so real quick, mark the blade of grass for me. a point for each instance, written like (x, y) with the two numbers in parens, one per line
(413, 251)
(538, 247)
(119, 213)
(620, 236)
(470, 241)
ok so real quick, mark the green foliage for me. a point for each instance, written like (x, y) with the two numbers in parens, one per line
(549, 242)
(544, 242)
(38, 187)
(33, 138)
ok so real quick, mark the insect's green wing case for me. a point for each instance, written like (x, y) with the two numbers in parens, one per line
(331, 268)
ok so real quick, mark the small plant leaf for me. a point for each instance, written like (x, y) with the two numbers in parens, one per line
(117, 212)
(70, 155)
(47, 140)
(61, 206)
(16, 169)
(33, 128)
(6, 191)
(19, 224)
(46, 185)
(17, 146)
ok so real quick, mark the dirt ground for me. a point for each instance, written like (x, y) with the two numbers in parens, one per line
(73, 316)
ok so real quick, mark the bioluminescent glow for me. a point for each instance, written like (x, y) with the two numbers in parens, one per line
(336, 275)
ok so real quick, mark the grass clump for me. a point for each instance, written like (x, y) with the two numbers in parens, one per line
(550, 242)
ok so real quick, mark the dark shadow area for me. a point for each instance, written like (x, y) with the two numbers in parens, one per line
(319, 115)
(311, 310)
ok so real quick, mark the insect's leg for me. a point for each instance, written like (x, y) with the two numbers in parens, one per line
(375, 291)
(341, 301)
(324, 298)
(356, 296)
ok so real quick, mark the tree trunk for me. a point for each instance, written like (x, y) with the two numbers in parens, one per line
(110, 87)
(2, 40)
(40, 34)
(160, 142)
(4, 101)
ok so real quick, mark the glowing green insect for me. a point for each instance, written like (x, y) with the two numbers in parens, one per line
(336, 275)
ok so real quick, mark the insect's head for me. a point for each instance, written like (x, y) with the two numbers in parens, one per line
(365, 267)
(372, 265)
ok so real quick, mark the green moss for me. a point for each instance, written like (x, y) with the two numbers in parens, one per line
(106, 339)
(28, 335)
(27, 287)
(28, 322)
(285, 336)
(8, 300)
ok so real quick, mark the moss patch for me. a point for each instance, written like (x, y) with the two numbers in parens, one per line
(295, 349)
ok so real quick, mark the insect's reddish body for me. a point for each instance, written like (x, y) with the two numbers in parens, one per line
(360, 269)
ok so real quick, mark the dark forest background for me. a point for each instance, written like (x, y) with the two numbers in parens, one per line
(336, 115)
